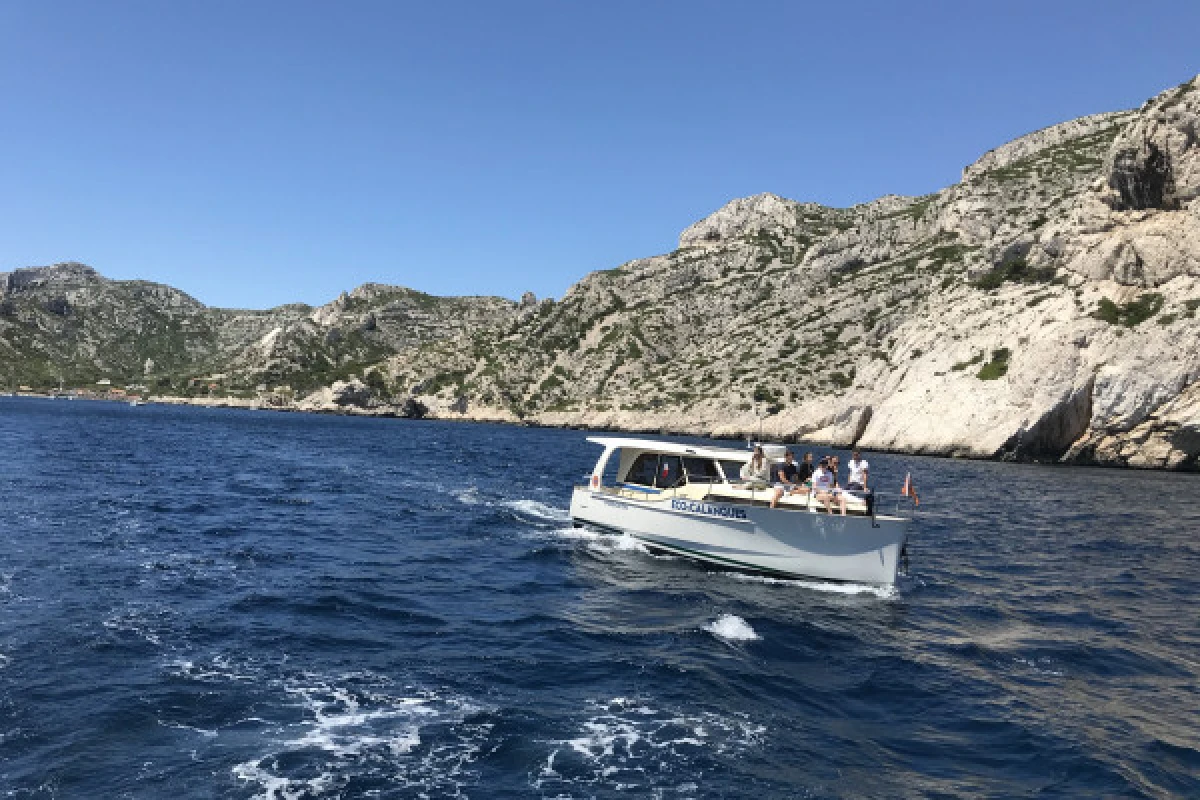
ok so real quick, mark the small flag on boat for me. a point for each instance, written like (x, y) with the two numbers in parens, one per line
(908, 490)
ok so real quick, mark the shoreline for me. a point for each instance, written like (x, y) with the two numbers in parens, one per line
(392, 411)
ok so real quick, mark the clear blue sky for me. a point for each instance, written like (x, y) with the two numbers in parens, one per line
(254, 153)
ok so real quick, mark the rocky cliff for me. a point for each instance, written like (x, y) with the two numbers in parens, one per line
(1042, 308)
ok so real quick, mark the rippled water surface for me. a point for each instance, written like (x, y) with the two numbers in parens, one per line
(201, 603)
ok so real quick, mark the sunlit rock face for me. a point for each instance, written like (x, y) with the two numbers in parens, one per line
(1043, 308)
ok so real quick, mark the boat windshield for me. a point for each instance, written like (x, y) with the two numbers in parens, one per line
(661, 471)
(667, 471)
(732, 470)
(701, 470)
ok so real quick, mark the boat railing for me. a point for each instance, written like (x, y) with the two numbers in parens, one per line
(878, 503)
(893, 505)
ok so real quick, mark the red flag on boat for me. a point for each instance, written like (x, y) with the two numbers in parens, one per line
(908, 490)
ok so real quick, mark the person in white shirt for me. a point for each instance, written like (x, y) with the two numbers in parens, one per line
(822, 488)
(755, 471)
(857, 481)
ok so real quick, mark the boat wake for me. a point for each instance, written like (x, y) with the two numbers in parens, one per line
(626, 745)
(600, 543)
(882, 592)
(368, 738)
(731, 628)
(537, 512)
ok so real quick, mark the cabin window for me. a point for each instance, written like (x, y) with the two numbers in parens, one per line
(701, 470)
(732, 470)
(670, 472)
(643, 469)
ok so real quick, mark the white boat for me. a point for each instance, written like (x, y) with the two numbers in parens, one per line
(689, 500)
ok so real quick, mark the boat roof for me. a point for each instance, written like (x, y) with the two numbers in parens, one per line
(680, 448)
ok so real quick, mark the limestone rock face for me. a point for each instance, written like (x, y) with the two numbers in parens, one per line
(68, 275)
(1043, 308)
(1033, 143)
(740, 217)
(1139, 223)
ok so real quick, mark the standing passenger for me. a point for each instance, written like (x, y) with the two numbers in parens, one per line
(857, 481)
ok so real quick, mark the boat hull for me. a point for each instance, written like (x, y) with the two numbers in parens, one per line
(793, 543)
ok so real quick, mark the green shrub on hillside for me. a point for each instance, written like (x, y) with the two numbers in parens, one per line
(1130, 314)
(960, 366)
(997, 367)
(1015, 270)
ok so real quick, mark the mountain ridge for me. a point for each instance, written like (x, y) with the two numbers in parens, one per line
(1042, 308)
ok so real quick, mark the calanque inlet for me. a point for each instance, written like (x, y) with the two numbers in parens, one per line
(1043, 308)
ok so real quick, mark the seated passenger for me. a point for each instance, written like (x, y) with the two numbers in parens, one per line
(755, 470)
(835, 467)
(824, 490)
(786, 478)
(806, 472)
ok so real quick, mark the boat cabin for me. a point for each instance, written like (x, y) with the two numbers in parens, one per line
(648, 465)
(649, 470)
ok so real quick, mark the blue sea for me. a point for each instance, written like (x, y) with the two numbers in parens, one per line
(206, 603)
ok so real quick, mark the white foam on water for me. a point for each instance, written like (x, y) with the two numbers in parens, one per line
(205, 732)
(615, 543)
(603, 543)
(421, 740)
(217, 669)
(1039, 666)
(627, 745)
(537, 511)
(732, 628)
(468, 496)
(136, 622)
(343, 727)
(830, 587)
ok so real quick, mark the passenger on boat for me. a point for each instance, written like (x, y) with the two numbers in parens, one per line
(824, 490)
(806, 470)
(857, 481)
(755, 470)
(786, 477)
(835, 467)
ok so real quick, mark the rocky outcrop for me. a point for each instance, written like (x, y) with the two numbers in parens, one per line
(1039, 141)
(742, 217)
(350, 393)
(68, 275)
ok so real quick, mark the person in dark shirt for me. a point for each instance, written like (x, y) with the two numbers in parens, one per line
(806, 469)
(786, 477)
